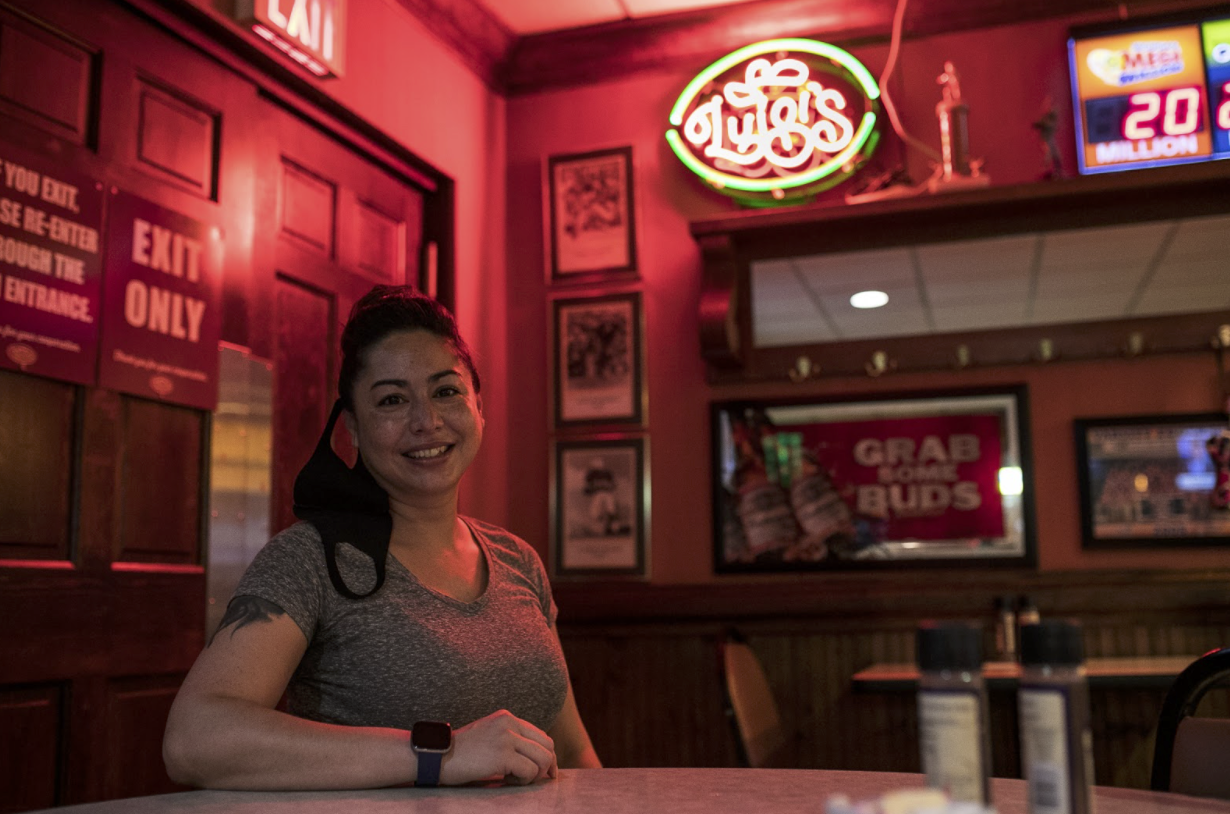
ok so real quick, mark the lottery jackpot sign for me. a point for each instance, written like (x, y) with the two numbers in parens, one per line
(777, 121)
(1150, 97)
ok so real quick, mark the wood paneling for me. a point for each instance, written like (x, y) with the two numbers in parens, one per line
(37, 429)
(102, 592)
(160, 485)
(302, 388)
(177, 138)
(136, 714)
(381, 244)
(813, 636)
(309, 207)
(31, 719)
(46, 78)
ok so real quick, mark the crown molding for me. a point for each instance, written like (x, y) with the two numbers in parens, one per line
(481, 39)
(517, 65)
(693, 39)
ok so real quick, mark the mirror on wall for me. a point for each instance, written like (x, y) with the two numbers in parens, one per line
(1080, 268)
(1156, 268)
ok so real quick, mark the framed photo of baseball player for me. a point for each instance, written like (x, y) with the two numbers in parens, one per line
(600, 507)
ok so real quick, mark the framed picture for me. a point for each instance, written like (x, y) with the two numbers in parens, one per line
(1154, 481)
(878, 482)
(599, 507)
(598, 360)
(591, 217)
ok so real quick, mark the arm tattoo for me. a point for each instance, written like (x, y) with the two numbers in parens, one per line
(244, 610)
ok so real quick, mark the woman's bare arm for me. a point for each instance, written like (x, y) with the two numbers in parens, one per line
(224, 731)
(572, 744)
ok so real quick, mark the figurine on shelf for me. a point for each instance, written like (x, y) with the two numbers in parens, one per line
(953, 115)
(1045, 127)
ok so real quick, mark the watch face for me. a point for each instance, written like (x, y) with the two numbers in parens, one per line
(431, 735)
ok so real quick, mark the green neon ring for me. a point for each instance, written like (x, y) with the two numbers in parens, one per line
(721, 179)
(843, 58)
(821, 49)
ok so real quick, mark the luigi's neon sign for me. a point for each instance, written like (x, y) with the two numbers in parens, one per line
(777, 121)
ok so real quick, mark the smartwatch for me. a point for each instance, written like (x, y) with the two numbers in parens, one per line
(431, 741)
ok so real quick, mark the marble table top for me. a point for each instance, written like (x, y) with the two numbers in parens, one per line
(625, 791)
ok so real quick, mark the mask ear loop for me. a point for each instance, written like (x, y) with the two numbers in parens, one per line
(344, 505)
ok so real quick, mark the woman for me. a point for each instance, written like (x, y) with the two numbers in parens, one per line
(387, 613)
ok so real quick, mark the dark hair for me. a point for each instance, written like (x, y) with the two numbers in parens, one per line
(387, 309)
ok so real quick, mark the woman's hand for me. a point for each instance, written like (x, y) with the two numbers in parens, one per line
(500, 747)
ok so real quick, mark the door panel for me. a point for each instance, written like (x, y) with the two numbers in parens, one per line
(30, 751)
(56, 97)
(177, 138)
(36, 434)
(161, 518)
(302, 384)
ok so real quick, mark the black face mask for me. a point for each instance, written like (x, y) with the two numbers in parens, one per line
(345, 505)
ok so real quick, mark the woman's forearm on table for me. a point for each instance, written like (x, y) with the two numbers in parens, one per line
(227, 743)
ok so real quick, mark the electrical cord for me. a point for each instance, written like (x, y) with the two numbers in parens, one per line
(893, 50)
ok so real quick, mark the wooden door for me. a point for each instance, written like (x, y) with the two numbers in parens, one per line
(344, 223)
(103, 496)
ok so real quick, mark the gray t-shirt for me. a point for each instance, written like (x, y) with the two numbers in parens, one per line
(408, 653)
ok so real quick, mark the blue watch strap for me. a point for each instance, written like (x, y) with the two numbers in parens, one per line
(429, 768)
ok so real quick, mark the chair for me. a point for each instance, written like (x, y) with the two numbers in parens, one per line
(1192, 755)
(749, 704)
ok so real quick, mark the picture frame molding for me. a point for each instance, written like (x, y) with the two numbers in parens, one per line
(641, 492)
(560, 392)
(555, 272)
(1027, 559)
(1089, 540)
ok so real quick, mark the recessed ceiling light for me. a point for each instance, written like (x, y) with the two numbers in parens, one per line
(869, 299)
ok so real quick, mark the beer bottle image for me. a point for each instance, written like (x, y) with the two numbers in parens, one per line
(820, 511)
(763, 506)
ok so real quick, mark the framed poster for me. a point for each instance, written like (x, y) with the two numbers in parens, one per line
(599, 507)
(597, 360)
(815, 485)
(591, 219)
(1154, 481)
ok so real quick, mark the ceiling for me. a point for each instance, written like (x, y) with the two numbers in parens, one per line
(537, 16)
(1080, 275)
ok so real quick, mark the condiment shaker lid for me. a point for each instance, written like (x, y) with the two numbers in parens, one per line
(1053, 641)
(949, 646)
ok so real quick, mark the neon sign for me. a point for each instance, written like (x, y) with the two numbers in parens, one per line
(311, 32)
(777, 120)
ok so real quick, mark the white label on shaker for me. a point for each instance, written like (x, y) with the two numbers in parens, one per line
(1044, 747)
(952, 744)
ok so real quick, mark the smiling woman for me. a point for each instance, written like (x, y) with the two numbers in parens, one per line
(375, 671)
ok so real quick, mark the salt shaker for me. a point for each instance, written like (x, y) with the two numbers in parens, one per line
(1053, 699)
(952, 711)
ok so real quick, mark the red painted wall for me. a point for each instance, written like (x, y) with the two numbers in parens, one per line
(1008, 74)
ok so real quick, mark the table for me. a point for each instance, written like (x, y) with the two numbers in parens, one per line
(624, 791)
(1136, 672)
